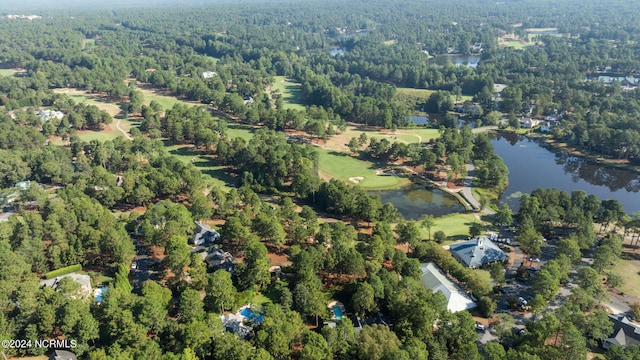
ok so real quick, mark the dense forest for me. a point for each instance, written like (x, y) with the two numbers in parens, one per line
(102, 205)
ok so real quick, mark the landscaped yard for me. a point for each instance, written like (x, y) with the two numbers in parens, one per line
(629, 270)
(291, 92)
(342, 166)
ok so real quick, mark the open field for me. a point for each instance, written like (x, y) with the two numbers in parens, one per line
(518, 44)
(87, 135)
(340, 141)
(214, 60)
(629, 269)
(423, 94)
(242, 131)
(166, 101)
(291, 93)
(88, 43)
(341, 166)
(419, 93)
(82, 96)
(539, 30)
(8, 72)
(214, 175)
(455, 226)
(389, 42)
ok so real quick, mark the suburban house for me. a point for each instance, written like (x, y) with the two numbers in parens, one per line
(47, 115)
(624, 332)
(235, 323)
(84, 280)
(62, 355)
(204, 234)
(209, 74)
(433, 278)
(478, 252)
(623, 80)
(218, 259)
(528, 123)
(548, 126)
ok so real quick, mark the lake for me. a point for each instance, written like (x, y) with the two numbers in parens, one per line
(419, 119)
(534, 165)
(414, 201)
(457, 60)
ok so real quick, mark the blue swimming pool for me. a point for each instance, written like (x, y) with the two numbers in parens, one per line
(247, 313)
(337, 312)
(98, 294)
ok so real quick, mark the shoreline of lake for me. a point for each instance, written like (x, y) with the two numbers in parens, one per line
(534, 163)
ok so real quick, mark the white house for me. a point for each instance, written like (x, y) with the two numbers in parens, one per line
(433, 278)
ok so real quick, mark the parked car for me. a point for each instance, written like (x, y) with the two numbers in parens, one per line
(480, 327)
(134, 265)
(522, 301)
(535, 260)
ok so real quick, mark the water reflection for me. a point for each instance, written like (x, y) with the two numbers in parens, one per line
(414, 201)
(457, 60)
(533, 165)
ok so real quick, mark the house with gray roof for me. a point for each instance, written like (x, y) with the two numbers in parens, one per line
(84, 280)
(218, 259)
(433, 278)
(204, 234)
(625, 332)
(62, 355)
(477, 252)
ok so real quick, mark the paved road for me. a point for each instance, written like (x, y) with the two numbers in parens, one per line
(466, 189)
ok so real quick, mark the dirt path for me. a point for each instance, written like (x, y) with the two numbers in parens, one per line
(126, 134)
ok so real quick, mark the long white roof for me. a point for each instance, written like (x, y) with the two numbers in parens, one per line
(433, 278)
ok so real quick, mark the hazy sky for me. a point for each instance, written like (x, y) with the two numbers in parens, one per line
(11, 6)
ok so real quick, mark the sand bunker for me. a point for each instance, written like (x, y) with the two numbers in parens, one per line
(356, 179)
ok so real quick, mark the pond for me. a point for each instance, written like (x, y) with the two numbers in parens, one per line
(414, 201)
(457, 60)
(419, 119)
(534, 165)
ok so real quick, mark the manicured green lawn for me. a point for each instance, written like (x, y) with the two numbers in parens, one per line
(241, 131)
(455, 226)
(419, 93)
(7, 72)
(165, 101)
(291, 93)
(629, 270)
(215, 175)
(260, 299)
(93, 135)
(425, 93)
(338, 165)
(516, 44)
